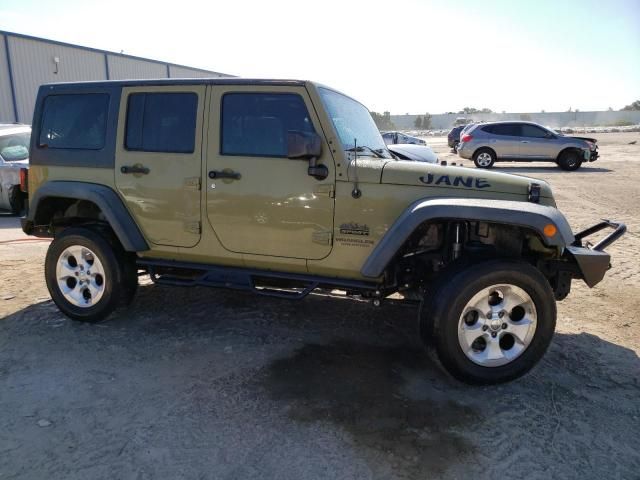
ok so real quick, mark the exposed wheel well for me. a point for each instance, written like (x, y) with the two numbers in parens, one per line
(568, 149)
(62, 212)
(478, 150)
(438, 245)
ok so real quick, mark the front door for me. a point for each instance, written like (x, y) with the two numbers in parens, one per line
(159, 160)
(258, 201)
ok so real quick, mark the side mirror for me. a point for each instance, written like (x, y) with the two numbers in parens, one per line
(307, 146)
(303, 145)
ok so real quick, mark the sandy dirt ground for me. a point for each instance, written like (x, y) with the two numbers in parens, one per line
(211, 384)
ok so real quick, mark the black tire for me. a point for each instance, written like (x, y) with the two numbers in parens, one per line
(17, 200)
(119, 279)
(479, 158)
(455, 147)
(441, 311)
(569, 160)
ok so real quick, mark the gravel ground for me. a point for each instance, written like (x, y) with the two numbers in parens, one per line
(211, 384)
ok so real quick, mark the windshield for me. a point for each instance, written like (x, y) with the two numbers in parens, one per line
(352, 121)
(15, 147)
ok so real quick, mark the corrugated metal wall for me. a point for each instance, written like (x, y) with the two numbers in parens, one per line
(550, 119)
(33, 63)
(122, 68)
(6, 97)
(182, 72)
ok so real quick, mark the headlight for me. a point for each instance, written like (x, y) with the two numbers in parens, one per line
(592, 146)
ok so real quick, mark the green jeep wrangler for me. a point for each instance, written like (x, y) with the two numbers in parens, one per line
(284, 187)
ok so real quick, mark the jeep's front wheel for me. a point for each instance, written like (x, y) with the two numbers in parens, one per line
(491, 322)
(87, 276)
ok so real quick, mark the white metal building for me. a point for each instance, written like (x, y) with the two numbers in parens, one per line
(28, 62)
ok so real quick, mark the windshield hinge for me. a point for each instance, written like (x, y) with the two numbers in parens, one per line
(325, 189)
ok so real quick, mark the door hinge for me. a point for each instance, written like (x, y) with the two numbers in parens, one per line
(193, 227)
(325, 189)
(193, 182)
(322, 237)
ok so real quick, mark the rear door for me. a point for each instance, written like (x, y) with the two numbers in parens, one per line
(504, 139)
(535, 143)
(159, 160)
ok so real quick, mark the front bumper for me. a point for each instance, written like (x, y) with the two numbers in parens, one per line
(590, 155)
(592, 261)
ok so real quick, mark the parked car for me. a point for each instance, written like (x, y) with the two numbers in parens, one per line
(524, 142)
(418, 153)
(256, 185)
(453, 138)
(14, 165)
(392, 138)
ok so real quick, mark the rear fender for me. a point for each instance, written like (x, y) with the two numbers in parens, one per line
(104, 197)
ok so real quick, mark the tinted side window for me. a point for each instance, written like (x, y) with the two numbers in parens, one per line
(256, 124)
(161, 122)
(74, 121)
(508, 129)
(533, 131)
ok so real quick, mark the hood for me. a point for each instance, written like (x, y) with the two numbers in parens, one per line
(581, 138)
(460, 178)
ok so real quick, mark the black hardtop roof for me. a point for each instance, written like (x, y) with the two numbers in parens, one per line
(179, 81)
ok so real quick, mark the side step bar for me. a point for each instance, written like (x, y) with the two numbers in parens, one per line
(289, 285)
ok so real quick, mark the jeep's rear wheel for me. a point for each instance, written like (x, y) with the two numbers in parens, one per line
(484, 158)
(490, 323)
(569, 160)
(88, 276)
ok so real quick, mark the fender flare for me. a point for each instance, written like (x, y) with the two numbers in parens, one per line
(104, 197)
(521, 214)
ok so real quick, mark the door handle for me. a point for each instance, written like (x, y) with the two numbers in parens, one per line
(524, 141)
(135, 169)
(224, 174)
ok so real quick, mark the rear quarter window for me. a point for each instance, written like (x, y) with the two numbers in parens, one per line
(74, 121)
(507, 129)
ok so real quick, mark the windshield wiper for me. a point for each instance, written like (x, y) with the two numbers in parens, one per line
(362, 148)
(391, 154)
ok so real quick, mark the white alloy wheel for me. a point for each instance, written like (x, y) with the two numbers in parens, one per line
(80, 276)
(484, 159)
(497, 325)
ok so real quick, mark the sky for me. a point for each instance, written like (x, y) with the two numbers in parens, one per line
(402, 56)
